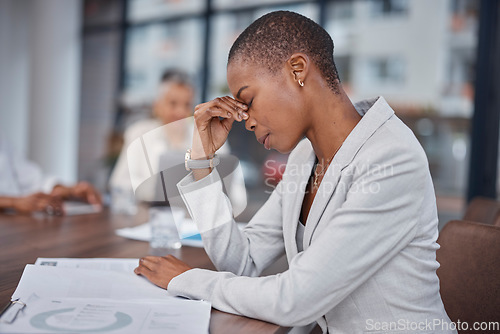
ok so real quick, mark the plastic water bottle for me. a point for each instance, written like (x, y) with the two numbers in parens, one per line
(164, 232)
(123, 201)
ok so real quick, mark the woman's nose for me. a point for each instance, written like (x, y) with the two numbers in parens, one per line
(250, 124)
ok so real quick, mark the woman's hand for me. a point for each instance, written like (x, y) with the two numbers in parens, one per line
(161, 270)
(211, 130)
(82, 191)
(38, 202)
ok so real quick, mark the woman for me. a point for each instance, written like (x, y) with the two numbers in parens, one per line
(355, 212)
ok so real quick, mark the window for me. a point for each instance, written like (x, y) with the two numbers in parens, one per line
(145, 10)
(153, 48)
(340, 10)
(231, 4)
(97, 12)
(388, 7)
(386, 71)
(343, 64)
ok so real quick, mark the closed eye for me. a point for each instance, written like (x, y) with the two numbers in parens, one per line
(250, 104)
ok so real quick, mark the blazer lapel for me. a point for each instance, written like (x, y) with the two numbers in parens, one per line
(379, 113)
(298, 176)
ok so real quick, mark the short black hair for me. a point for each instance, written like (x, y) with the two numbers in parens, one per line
(274, 37)
(175, 76)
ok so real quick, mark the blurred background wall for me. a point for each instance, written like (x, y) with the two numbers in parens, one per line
(40, 81)
(75, 74)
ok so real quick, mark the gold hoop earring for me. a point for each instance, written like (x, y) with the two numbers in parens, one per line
(301, 83)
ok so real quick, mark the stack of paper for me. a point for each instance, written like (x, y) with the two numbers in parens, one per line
(97, 296)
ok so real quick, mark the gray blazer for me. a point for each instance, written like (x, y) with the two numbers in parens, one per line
(369, 260)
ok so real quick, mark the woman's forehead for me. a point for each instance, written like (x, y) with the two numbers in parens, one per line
(245, 74)
(238, 76)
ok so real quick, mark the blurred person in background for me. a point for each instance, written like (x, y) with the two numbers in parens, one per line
(25, 189)
(174, 103)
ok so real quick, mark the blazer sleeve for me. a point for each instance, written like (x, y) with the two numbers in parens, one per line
(356, 240)
(246, 252)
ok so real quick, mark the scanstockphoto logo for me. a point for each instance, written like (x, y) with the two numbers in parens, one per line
(331, 180)
(156, 167)
(430, 325)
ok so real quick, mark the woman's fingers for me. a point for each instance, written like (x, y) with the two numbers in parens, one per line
(218, 101)
(227, 123)
(225, 107)
(218, 112)
(214, 120)
(146, 265)
(238, 107)
(143, 270)
(151, 259)
(235, 103)
(160, 270)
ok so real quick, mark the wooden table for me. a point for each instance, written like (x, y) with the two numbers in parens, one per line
(23, 239)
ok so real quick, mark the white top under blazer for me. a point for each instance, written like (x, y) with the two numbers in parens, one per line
(369, 260)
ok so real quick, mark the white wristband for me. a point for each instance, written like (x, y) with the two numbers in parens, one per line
(191, 164)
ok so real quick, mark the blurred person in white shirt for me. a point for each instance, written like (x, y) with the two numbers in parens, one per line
(170, 130)
(25, 189)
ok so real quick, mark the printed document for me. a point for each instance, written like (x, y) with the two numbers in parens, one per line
(67, 315)
(101, 296)
(119, 265)
(54, 282)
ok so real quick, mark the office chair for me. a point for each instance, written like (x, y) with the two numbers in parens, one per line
(470, 272)
(483, 210)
